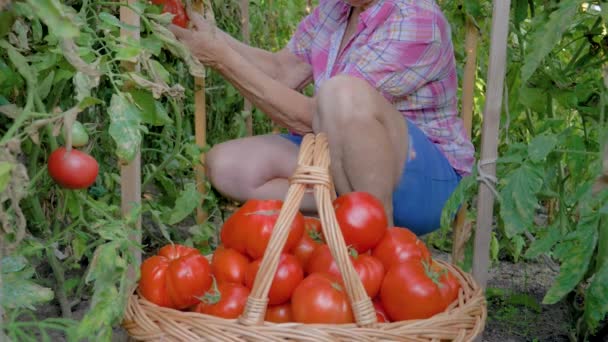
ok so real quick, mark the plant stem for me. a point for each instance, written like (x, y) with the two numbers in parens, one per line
(66, 309)
(176, 146)
(25, 114)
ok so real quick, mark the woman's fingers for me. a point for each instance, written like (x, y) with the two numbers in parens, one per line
(179, 32)
(198, 21)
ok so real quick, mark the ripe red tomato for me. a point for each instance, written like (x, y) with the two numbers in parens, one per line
(321, 298)
(362, 220)
(312, 226)
(289, 274)
(411, 290)
(228, 301)
(450, 285)
(279, 313)
(248, 230)
(176, 8)
(381, 315)
(175, 277)
(229, 265)
(369, 269)
(304, 249)
(73, 170)
(398, 245)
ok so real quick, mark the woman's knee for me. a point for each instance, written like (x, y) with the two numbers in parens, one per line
(342, 99)
(218, 165)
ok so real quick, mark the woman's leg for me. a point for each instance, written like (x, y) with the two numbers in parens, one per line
(254, 167)
(368, 138)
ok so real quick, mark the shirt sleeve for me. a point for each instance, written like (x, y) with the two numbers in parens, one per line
(403, 55)
(301, 41)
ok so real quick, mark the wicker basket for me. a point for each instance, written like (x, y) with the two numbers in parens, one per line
(463, 320)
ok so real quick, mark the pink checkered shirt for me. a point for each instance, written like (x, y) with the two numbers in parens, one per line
(404, 49)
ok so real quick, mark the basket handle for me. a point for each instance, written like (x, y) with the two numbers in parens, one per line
(313, 169)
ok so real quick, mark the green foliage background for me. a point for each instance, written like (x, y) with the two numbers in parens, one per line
(73, 247)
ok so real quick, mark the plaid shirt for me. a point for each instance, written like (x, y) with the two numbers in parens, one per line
(401, 47)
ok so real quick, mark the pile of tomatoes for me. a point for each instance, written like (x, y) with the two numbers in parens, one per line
(395, 268)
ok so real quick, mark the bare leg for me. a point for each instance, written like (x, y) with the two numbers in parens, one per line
(368, 138)
(254, 167)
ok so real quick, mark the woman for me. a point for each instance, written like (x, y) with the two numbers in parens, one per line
(385, 95)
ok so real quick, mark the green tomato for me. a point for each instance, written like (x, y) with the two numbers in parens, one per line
(80, 137)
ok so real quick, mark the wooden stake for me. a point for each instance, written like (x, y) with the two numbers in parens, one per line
(489, 143)
(130, 175)
(200, 131)
(462, 231)
(245, 30)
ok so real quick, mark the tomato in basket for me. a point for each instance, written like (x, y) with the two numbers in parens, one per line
(287, 277)
(398, 245)
(321, 298)
(370, 270)
(249, 228)
(362, 219)
(413, 289)
(227, 300)
(175, 277)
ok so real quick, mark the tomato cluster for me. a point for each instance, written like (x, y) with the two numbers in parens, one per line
(395, 268)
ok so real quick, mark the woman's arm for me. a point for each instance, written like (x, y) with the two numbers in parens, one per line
(278, 66)
(275, 96)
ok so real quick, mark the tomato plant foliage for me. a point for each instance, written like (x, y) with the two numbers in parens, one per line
(65, 61)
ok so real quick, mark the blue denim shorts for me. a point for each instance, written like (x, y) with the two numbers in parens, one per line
(426, 184)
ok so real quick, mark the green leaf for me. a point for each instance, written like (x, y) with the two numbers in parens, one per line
(125, 127)
(494, 247)
(575, 253)
(112, 20)
(473, 8)
(518, 199)
(458, 197)
(518, 246)
(152, 45)
(5, 174)
(596, 298)
(533, 98)
(128, 50)
(185, 204)
(544, 243)
(11, 264)
(521, 12)
(84, 84)
(45, 86)
(19, 61)
(55, 16)
(540, 147)
(96, 325)
(18, 291)
(547, 35)
(153, 113)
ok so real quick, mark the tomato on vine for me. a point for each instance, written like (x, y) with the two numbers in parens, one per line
(175, 7)
(74, 169)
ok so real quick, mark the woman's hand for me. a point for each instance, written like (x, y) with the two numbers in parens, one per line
(205, 40)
